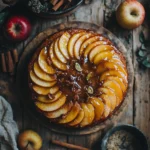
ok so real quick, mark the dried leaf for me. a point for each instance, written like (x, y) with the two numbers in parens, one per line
(146, 62)
(142, 53)
(142, 37)
(78, 67)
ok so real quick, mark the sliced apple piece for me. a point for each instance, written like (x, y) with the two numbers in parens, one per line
(71, 115)
(78, 119)
(40, 82)
(91, 46)
(98, 49)
(99, 107)
(117, 61)
(114, 73)
(41, 74)
(63, 43)
(55, 61)
(42, 61)
(46, 99)
(111, 95)
(106, 65)
(91, 114)
(88, 114)
(119, 81)
(79, 43)
(106, 55)
(85, 122)
(51, 106)
(45, 91)
(59, 112)
(113, 85)
(72, 42)
(106, 112)
(90, 41)
(57, 52)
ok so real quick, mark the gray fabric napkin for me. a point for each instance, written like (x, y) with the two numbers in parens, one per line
(8, 127)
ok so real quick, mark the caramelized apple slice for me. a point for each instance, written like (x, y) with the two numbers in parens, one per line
(41, 74)
(88, 114)
(93, 45)
(113, 85)
(40, 82)
(99, 107)
(91, 114)
(46, 99)
(42, 61)
(70, 116)
(59, 112)
(106, 112)
(114, 73)
(79, 43)
(106, 65)
(72, 42)
(106, 55)
(51, 106)
(117, 61)
(119, 81)
(55, 61)
(45, 91)
(63, 43)
(91, 40)
(97, 50)
(110, 95)
(78, 119)
(58, 54)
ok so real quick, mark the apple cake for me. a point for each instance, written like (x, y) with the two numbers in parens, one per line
(77, 78)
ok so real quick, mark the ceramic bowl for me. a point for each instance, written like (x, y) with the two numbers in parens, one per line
(58, 14)
(129, 128)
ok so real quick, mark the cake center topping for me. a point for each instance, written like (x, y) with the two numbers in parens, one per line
(79, 81)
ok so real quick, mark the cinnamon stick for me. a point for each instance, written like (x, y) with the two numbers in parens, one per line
(58, 5)
(3, 63)
(10, 64)
(54, 2)
(67, 145)
(15, 55)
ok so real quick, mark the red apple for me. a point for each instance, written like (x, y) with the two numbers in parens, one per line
(130, 14)
(17, 28)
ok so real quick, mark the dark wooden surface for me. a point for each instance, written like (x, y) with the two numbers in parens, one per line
(100, 12)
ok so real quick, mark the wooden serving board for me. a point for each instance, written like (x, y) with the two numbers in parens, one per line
(22, 78)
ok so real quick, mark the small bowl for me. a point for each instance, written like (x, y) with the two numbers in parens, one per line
(129, 128)
(57, 14)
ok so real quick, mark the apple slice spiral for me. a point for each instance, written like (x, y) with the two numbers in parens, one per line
(79, 78)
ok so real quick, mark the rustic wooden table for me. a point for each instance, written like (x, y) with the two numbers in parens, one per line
(100, 12)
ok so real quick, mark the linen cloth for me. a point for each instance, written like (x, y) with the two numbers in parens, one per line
(8, 127)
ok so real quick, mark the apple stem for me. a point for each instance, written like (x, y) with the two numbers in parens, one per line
(26, 148)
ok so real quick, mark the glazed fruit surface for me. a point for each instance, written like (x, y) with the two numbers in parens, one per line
(77, 78)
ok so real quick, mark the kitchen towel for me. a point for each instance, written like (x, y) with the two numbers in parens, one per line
(8, 127)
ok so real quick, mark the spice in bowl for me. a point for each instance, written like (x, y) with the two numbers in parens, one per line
(38, 6)
(123, 140)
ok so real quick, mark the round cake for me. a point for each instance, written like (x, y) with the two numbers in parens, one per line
(77, 78)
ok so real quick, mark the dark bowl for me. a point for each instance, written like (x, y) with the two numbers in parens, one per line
(142, 141)
(60, 13)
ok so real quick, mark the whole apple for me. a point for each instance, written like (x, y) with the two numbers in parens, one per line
(17, 28)
(130, 14)
(29, 140)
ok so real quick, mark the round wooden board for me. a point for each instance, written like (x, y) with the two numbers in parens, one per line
(22, 75)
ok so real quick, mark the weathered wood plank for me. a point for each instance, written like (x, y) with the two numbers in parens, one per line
(142, 85)
(126, 38)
